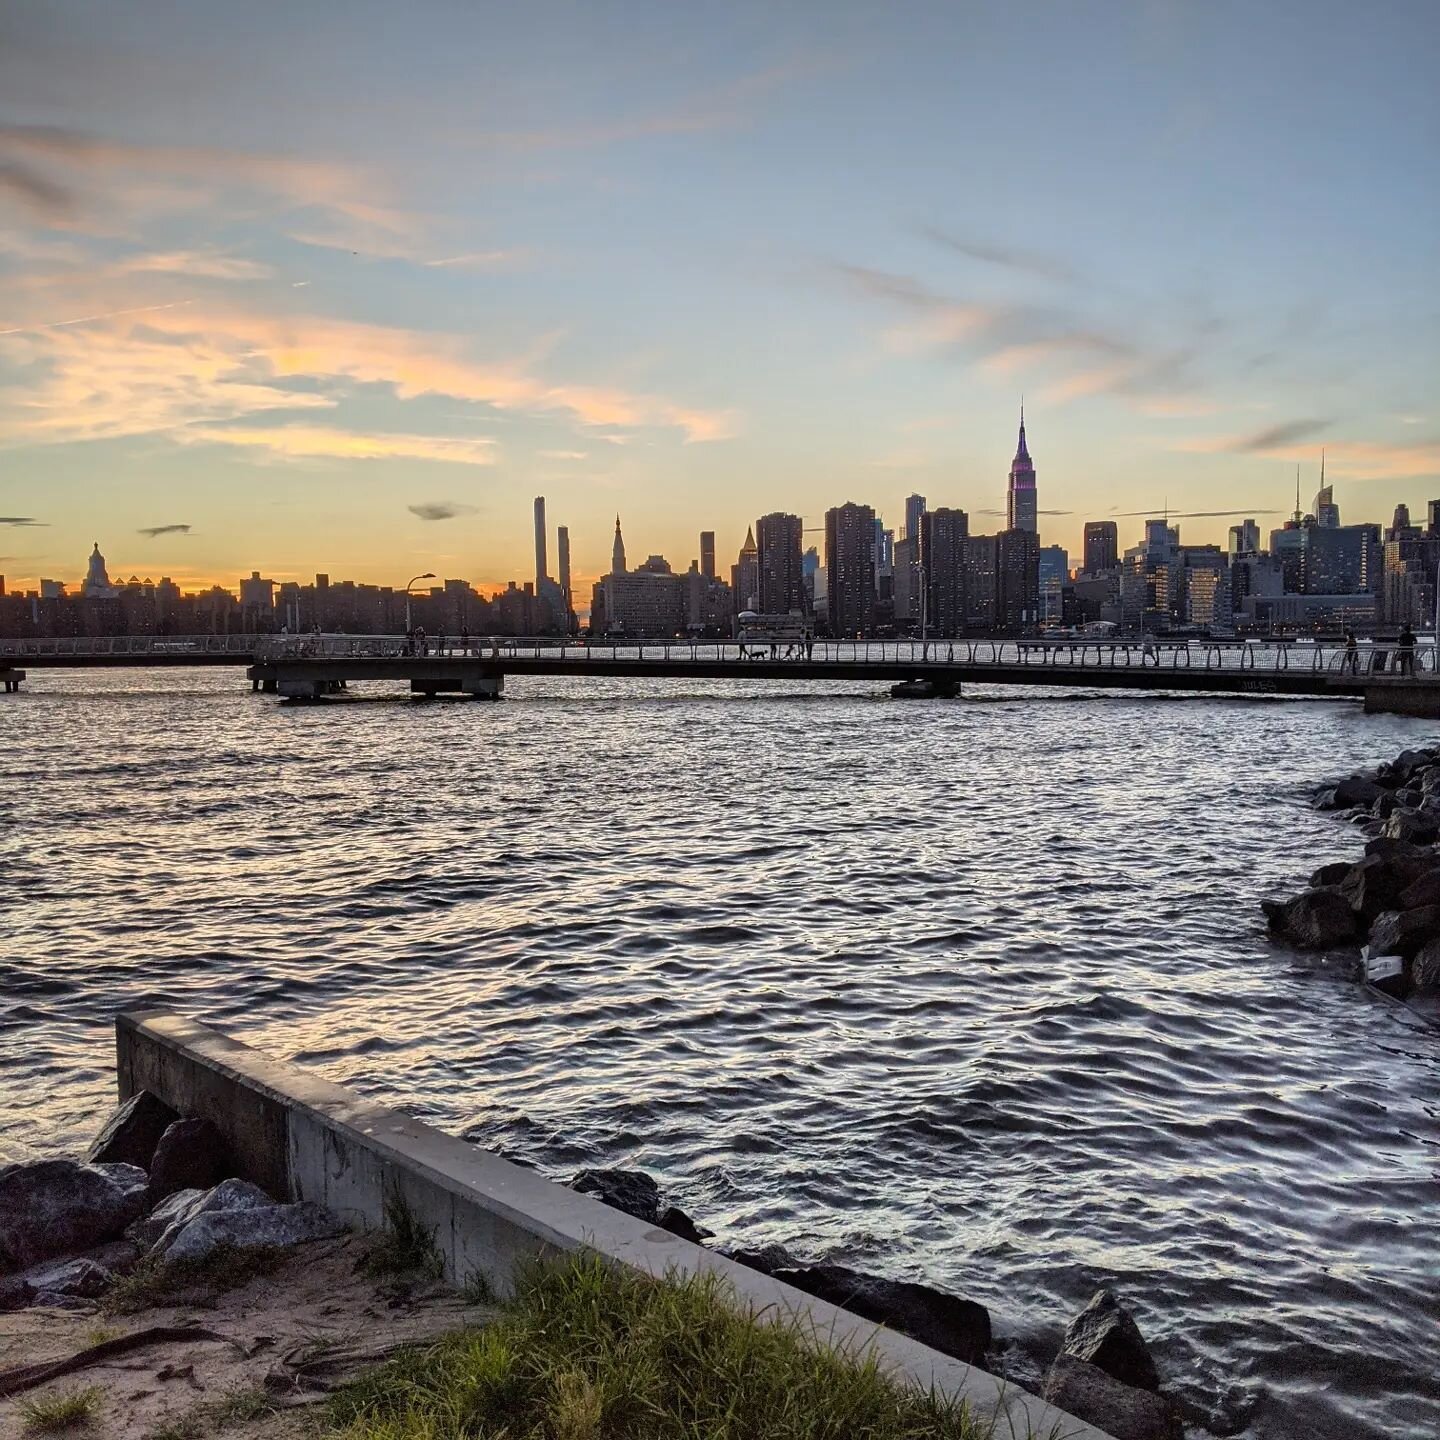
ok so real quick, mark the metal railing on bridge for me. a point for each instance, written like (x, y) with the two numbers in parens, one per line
(91, 647)
(1281, 656)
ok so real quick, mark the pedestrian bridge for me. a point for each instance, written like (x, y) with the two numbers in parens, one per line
(312, 666)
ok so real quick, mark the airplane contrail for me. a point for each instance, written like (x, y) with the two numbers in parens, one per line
(86, 319)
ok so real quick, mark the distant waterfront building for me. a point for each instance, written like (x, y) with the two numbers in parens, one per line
(982, 584)
(1341, 559)
(1244, 539)
(643, 603)
(745, 575)
(943, 533)
(1150, 580)
(97, 584)
(1205, 586)
(1054, 573)
(905, 593)
(1254, 577)
(1408, 588)
(1327, 512)
(779, 543)
(1021, 496)
(850, 568)
(1102, 546)
(542, 571)
(1017, 571)
(562, 548)
(707, 554)
(617, 551)
(52, 589)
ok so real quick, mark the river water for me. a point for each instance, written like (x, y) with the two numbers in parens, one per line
(975, 992)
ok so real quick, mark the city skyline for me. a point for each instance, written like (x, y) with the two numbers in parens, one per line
(683, 267)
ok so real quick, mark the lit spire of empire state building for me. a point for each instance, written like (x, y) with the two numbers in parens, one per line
(1021, 498)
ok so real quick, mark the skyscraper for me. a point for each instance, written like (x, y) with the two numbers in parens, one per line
(541, 572)
(943, 533)
(1021, 497)
(914, 509)
(1244, 538)
(707, 554)
(778, 543)
(617, 552)
(562, 550)
(850, 568)
(745, 575)
(1102, 546)
(1017, 580)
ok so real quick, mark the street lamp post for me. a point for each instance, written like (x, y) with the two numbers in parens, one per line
(428, 575)
(924, 613)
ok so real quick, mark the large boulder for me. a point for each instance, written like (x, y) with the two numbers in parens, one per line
(1332, 874)
(1425, 890)
(264, 1228)
(132, 1132)
(1384, 806)
(1425, 969)
(1407, 762)
(1121, 1410)
(944, 1322)
(1349, 794)
(637, 1194)
(191, 1155)
(227, 1197)
(1404, 932)
(1314, 920)
(1105, 1334)
(56, 1207)
(80, 1279)
(1393, 849)
(1376, 884)
(1417, 826)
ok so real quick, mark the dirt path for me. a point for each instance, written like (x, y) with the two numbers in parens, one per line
(287, 1335)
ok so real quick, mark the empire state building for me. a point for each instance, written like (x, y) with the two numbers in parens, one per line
(1021, 499)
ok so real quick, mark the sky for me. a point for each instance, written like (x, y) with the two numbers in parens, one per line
(341, 287)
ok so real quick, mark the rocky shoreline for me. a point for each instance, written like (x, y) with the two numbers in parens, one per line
(157, 1190)
(1386, 905)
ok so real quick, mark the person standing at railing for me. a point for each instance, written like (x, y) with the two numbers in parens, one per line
(1405, 651)
(1351, 659)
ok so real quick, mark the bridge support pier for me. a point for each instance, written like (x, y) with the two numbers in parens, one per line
(478, 687)
(926, 689)
(11, 680)
(298, 689)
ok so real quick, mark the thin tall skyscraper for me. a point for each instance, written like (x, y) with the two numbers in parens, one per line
(541, 572)
(562, 550)
(1021, 498)
(850, 568)
(707, 554)
(617, 551)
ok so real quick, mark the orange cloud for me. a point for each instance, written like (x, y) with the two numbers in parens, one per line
(322, 442)
(118, 374)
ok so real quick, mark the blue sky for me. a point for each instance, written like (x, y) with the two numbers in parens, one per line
(279, 274)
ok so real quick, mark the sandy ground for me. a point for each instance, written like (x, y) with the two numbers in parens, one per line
(291, 1333)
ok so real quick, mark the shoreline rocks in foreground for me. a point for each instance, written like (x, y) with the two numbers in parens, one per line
(69, 1228)
(1387, 902)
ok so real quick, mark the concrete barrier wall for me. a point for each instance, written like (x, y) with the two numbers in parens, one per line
(304, 1138)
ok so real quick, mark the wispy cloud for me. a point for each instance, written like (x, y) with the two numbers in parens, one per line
(21, 522)
(563, 454)
(178, 368)
(1010, 257)
(475, 260)
(202, 264)
(1276, 437)
(91, 319)
(440, 510)
(154, 531)
(315, 442)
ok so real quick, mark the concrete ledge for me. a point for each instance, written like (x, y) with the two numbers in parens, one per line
(304, 1138)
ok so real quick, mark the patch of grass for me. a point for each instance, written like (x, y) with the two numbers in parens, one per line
(212, 1416)
(99, 1334)
(477, 1289)
(161, 1282)
(587, 1353)
(65, 1410)
(404, 1246)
